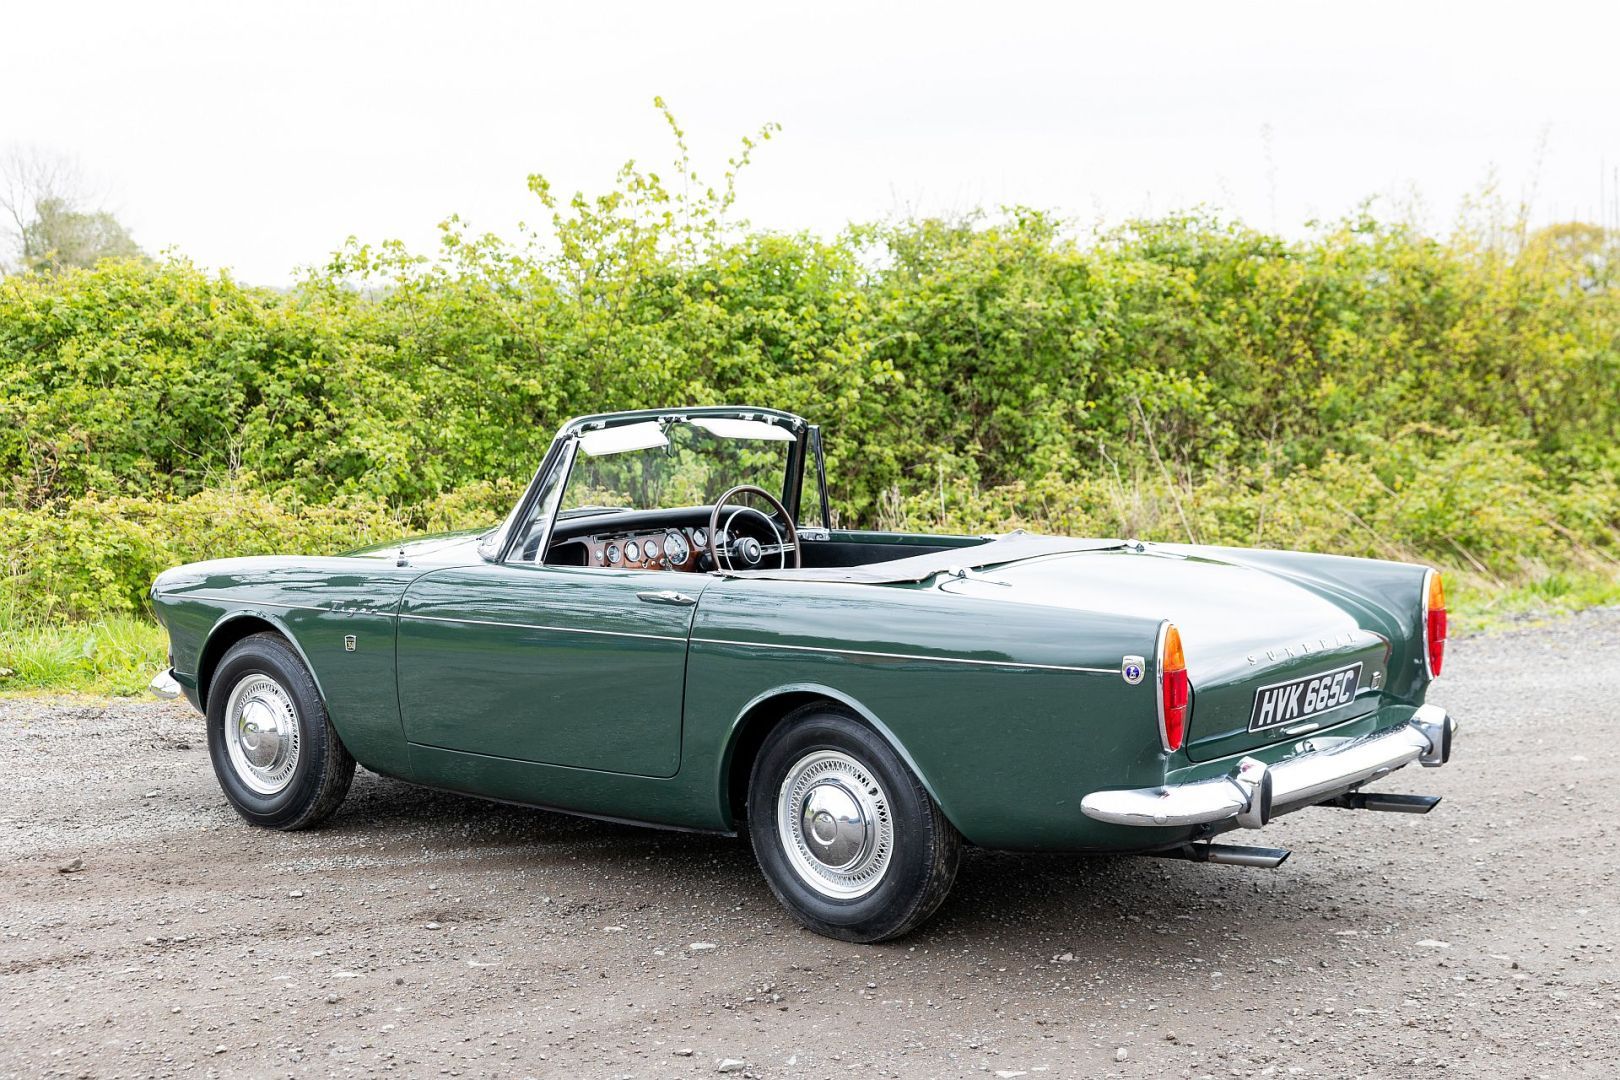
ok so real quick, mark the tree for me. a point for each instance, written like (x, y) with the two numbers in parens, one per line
(50, 221)
(1589, 253)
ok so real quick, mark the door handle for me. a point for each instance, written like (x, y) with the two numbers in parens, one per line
(667, 596)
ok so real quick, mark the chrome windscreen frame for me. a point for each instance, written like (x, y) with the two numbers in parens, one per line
(559, 460)
(497, 546)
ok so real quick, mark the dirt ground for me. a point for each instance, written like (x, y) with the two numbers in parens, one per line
(423, 933)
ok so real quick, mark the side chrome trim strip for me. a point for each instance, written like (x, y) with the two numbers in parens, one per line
(538, 626)
(241, 600)
(705, 640)
(902, 656)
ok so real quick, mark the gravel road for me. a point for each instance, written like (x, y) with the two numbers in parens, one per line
(424, 933)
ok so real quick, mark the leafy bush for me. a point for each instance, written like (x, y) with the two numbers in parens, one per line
(1366, 389)
(1473, 501)
(90, 556)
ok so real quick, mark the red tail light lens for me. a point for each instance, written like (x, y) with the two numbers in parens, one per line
(1175, 691)
(1434, 623)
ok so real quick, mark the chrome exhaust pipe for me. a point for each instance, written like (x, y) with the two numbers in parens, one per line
(1389, 804)
(1267, 858)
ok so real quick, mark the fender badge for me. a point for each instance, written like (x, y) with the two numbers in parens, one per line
(1131, 669)
(348, 643)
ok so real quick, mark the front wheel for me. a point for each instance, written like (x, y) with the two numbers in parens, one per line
(278, 758)
(849, 840)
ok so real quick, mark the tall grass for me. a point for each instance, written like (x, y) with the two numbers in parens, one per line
(117, 655)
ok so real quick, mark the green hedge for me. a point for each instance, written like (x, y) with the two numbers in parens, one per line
(1367, 388)
(1476, 502)
(89, 557)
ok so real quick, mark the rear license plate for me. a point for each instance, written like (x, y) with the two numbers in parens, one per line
(1301, 699)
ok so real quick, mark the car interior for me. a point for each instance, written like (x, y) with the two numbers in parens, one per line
(694, 494)
(679, 539)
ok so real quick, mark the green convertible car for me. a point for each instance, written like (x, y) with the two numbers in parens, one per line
(666, 630)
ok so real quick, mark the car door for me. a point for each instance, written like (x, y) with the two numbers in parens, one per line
(574, 666)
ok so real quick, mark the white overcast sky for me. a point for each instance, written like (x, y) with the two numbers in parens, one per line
(258, 136)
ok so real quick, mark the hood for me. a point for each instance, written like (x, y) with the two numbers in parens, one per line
(434, 549)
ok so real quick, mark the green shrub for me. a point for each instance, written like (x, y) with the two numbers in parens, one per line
(1470, 500)
(1366, 389)
(86, 557)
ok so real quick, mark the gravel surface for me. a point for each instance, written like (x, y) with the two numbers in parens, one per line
(429, 934)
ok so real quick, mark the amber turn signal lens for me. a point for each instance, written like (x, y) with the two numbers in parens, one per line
(1434, 623)
(1175, 690)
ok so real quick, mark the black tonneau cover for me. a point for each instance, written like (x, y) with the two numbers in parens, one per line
(1003, 549)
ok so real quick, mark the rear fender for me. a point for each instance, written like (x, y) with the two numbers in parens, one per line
(768, 707)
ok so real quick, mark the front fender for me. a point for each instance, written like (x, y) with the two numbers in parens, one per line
(356, 684)
(232, 627)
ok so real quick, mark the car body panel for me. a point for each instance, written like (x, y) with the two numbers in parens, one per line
(1005, 739)
(1240, 626)
(558, 665)
(316, 603)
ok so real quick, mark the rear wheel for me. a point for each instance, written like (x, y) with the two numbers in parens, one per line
(849, 840)
(278, 758)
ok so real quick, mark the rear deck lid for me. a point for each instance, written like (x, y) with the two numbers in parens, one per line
(1268, 659)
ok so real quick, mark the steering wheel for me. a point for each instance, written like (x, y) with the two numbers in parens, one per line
(747, 550)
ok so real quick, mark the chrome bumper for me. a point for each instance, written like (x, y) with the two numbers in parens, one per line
(163, 684)
(1327, 767)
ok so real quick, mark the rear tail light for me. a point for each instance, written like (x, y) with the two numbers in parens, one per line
(1434, 623)
(1175, 691)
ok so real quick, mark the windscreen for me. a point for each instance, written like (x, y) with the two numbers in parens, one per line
(693, 467)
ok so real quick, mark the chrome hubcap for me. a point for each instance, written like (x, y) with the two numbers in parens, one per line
(261, 733)
(833, 820)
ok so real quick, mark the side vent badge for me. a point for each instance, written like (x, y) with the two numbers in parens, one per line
(348, 643)
(1132, 668)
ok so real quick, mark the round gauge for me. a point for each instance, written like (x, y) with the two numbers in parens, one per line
(675, 549)
(632, 552)
(613, 553)
(700, 537)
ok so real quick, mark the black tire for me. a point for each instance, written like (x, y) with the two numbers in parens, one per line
(924, 847)
(321, 768)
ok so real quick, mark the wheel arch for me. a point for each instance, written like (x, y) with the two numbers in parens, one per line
(231, 628)
(769, 709)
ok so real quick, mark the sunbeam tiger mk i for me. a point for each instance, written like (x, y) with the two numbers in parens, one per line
(666, 629)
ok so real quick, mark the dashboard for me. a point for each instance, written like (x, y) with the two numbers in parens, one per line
(671, 539)
(661, 549)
